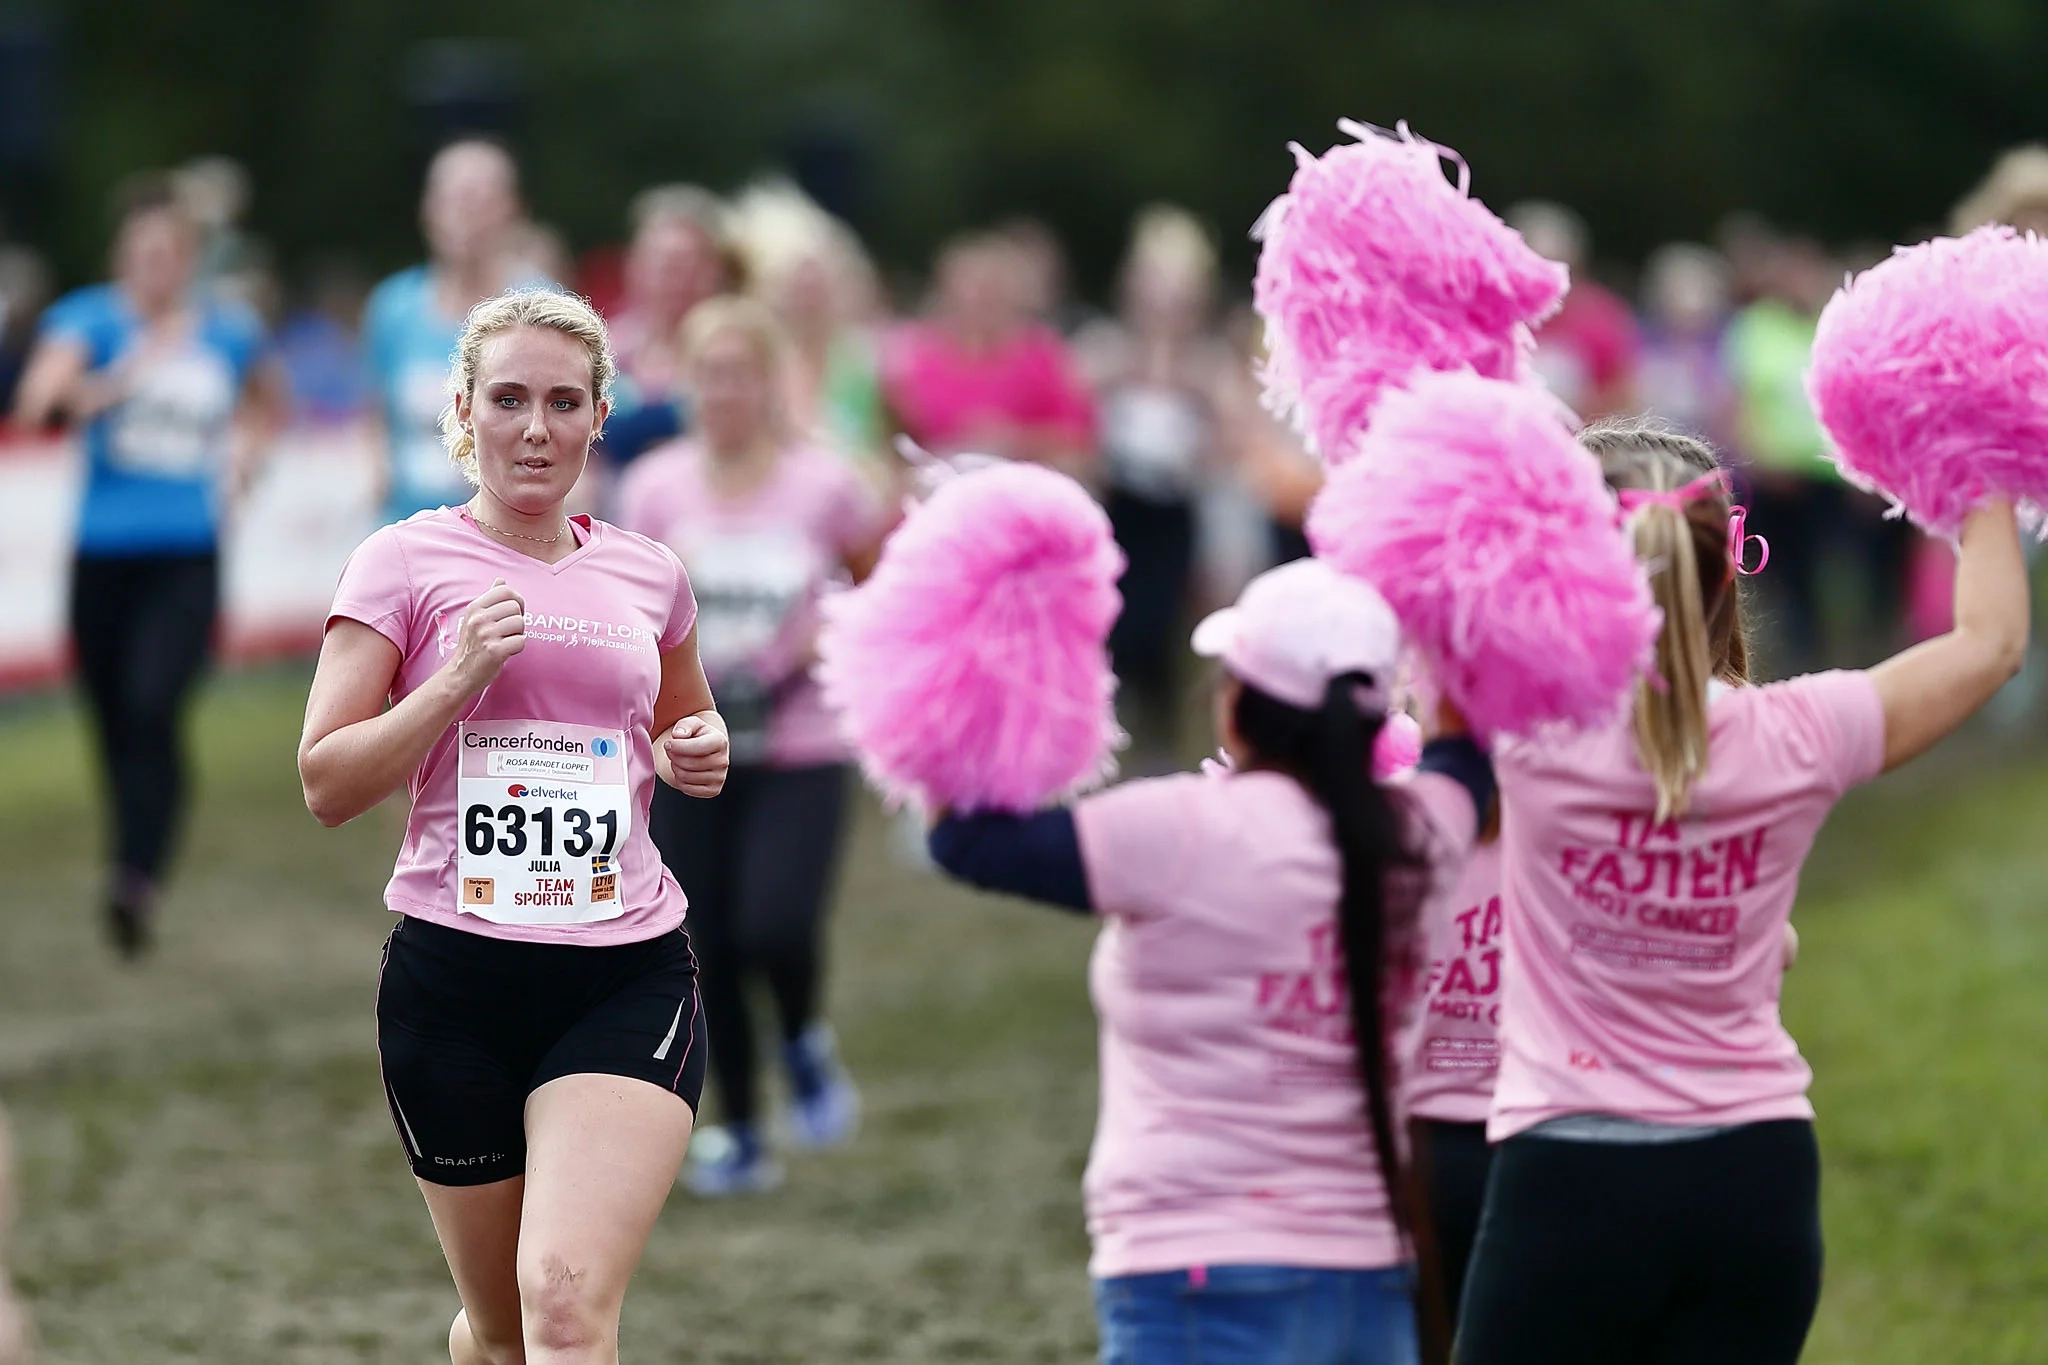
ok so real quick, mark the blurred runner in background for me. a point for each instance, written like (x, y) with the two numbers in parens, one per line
(215, 193)
(1044, 283)
(980, 374)
(1274, 464)
(811, 270)
(1586, 352)
(1158, 371)
(1684, 375)
(1798, 501)
(320, 345)
(174, 400)
(763, 521)
(467, 213)
(679, 257)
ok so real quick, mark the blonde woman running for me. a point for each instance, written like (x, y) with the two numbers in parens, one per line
(538, 1018)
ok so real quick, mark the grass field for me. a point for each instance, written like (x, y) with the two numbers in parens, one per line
(209, 1173)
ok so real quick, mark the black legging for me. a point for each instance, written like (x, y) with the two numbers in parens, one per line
(756, 862)
(1451, 1160)
(142, 626)
(1703, 1252)
(1145, 643)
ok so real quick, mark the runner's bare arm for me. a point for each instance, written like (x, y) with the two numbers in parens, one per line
(353, 752)
(691, 752)
(50, 383)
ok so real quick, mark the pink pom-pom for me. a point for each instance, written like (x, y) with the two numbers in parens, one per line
(1930, 372)
(970, 671)
(1373, 266)
(1398, 748)
(1493, 537)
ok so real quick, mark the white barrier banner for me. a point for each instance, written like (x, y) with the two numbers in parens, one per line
(281, 555)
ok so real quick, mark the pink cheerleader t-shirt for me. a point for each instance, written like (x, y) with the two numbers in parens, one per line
(1232, 1128)
(1644, 959)
(758, 562)
(529, 815)
(1449, 1051)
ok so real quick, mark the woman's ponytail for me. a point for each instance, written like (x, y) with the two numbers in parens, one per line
(1671, 709)
(1685, 549)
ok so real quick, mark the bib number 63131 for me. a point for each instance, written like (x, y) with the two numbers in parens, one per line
(514, 831)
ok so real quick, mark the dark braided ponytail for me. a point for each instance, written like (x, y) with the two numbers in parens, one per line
(1329, 751)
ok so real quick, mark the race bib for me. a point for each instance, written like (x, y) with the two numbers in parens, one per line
(1154, 438)
(747, 586)
(545, 811)
(174, 422)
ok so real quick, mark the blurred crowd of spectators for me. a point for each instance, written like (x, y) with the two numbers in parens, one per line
(1151, 398)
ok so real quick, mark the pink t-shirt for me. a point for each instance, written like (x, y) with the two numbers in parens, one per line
(561, 735)
(946, 396)
(1232, 1127)
(1450, 1049)
(1644, 959)
(759, 562)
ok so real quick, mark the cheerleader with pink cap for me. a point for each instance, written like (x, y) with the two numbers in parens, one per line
(1243, 1192)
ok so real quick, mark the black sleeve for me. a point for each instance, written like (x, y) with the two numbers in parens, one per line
(1035, 856)
(1465, 763)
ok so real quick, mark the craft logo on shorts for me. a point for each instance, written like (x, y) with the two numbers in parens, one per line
(604, 748)
(479, 891)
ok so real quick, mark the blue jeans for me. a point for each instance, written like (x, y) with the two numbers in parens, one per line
(1258, 1315)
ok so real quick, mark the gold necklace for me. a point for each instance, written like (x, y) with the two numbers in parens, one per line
(538, 540)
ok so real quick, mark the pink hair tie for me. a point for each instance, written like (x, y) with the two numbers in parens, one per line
(1398, 748)
(1675, 498)
(1739, 540)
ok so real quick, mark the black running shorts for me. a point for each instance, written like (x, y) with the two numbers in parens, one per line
(469, 1026)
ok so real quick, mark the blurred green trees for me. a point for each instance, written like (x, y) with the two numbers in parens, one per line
(1855, 118)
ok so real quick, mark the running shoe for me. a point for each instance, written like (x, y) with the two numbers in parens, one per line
(131, 914)
(730, 1160)
(825, 1105)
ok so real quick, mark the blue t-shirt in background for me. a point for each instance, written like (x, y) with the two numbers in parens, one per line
(154, 461)
(410, 347)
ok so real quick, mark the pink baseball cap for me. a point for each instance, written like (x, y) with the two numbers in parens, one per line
(1296, 627)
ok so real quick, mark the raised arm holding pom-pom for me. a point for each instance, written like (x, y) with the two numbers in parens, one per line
(1937, 685)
